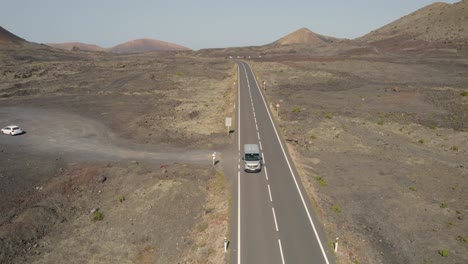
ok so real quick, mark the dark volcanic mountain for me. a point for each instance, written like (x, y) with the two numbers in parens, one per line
(8, 38)
(435, 23)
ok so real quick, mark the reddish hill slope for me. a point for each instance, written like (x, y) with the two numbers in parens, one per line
(435, 23)
(8, 38)
(76, 45)
(304, 36)
(145, 45)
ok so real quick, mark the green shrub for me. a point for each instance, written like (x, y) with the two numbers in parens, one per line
(380, 123)
(313, 136)
(296, 110)
(443, 205)
(454, 148)
(121, 198)
(443, 252)
(336, 208)
(412, 188)
(464, 93)
(421, 141)
(97, 216)
(328, 115)
(321, 181)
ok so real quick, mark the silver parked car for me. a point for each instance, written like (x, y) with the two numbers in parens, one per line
(12, 130)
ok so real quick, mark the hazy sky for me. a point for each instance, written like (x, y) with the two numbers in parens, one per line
(196, 24)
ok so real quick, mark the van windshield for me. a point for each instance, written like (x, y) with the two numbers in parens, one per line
(252, 157)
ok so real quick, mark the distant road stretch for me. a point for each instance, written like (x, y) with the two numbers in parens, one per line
(275, 222)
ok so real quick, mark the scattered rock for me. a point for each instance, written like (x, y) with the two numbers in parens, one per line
(396, 89)
(102, 178)
(292, 140)
(193, 114)
(95, 209)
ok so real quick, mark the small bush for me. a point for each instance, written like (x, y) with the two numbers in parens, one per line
(336, 208)
(380, 123)
(421, 141)
(313, 136)
(464, 93)
(443, 205)
(432, 127)
(121, 198)
(454, 148)
(328, 115)
(321, 181)
(180, 74)
(97, 216)
(412, 188)
(461, 239)
(443, 252)
(296, 110)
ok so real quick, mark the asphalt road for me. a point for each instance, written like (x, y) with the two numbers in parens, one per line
(274, 222)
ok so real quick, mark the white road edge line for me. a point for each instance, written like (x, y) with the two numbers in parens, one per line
(238, 219)
(292, 173)
(266, 173)
(238, 106)
(281, 250)
(260, 143)
(238, 171)
(274, 217)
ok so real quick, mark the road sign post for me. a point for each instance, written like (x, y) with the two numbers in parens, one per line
(228, 124)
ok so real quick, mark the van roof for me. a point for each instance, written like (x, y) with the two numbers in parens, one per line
(251, 148)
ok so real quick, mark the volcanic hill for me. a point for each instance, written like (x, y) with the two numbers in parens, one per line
(304, 36)
(435, 23)
(145, 45)
(8, 38)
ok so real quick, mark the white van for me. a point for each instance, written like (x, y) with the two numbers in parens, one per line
(252, 158)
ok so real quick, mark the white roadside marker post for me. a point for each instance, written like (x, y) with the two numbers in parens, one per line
(225, 244)
(336, 245)
(214, 158)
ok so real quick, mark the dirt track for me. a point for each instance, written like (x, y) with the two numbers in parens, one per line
(72, 135)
